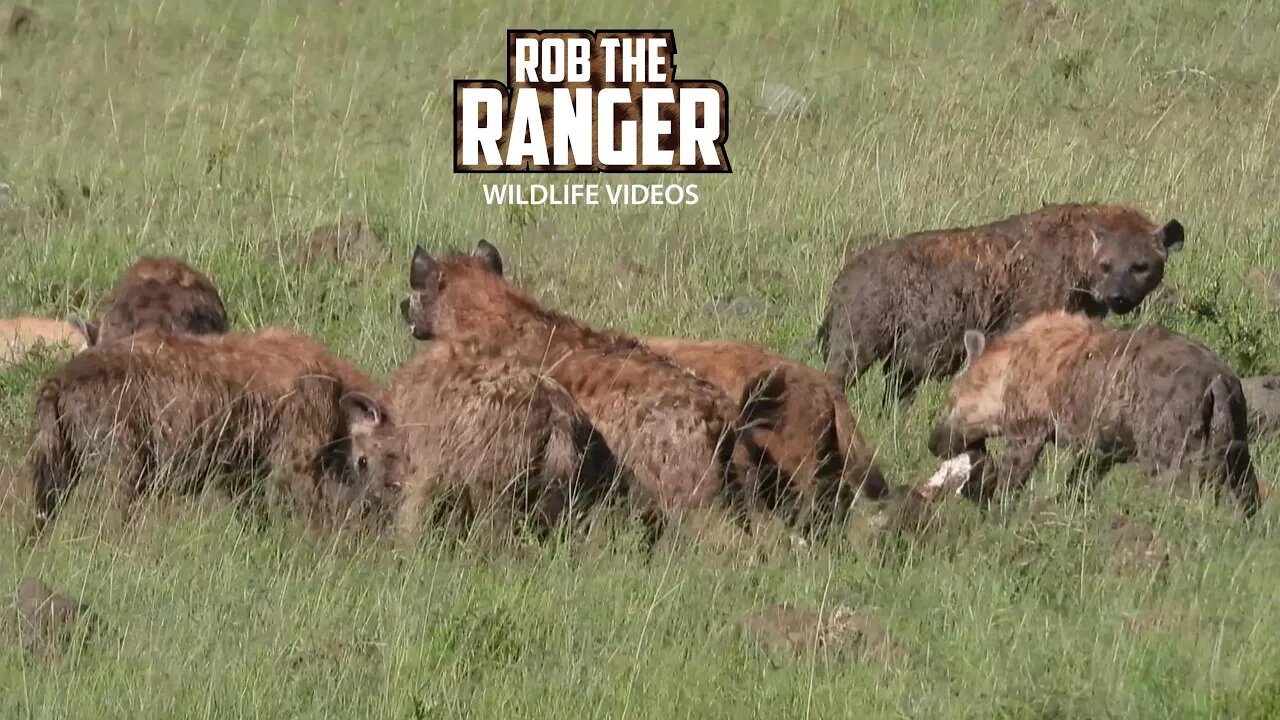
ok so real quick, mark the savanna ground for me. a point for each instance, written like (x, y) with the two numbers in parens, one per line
(216, 131)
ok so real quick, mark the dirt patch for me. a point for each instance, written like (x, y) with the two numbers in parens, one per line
(1262, 396)
(626, 273)
(1135, 545)
(833, 634)
(19, 20)
(348, 242)
(48, 622)
(1265, 283)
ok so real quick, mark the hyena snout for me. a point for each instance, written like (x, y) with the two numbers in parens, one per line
(946, 440)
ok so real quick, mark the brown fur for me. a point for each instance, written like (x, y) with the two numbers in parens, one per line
(819, 459)
(164, 295)
(672, 431)
(907, 302)
(20, 335)
(1148, 395)
(491, 437)
(165, 413)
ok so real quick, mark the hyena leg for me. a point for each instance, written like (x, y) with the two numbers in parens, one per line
(847, 361)
(1087, 470)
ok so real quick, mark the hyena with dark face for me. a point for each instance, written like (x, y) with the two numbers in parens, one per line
(165, 413)
(456, 429)
(907, 302)
(672, 432)
(811, 459)
(161, 294)
(1148, 395)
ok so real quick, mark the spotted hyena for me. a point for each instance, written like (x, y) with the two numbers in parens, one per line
(907, 302)
(484, 436)
(811, 457)
(673, 432)
(165, 413)
(1148, 395)
(162, 294)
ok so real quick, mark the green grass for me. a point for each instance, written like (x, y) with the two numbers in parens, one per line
(214, 131)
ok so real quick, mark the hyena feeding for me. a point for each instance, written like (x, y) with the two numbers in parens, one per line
(907, 302)
(673, 432)
(482, 438)
(811, 461)
(162, 294)
(164, 413)
(1148, 395)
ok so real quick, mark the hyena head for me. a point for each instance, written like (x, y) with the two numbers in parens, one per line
(375, 457)
(975, 406)
(1128, 263)
(426, 309)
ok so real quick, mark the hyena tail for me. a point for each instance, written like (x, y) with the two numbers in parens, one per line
(579, 462)
(1227, 432)
(52, 461)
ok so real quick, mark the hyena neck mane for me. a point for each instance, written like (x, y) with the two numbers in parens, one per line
(509, 317)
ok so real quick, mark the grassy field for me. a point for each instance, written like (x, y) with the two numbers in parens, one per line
(218, 131)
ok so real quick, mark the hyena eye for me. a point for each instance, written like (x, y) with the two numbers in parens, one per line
(1106, 267)
(1139, 268)
(362, 463)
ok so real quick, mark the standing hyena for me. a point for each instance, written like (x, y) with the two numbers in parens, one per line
(165, 413)
(811, 458)
(162, 294)
(907, 302)
(673, 433)
(483, 436)
(1148, 395)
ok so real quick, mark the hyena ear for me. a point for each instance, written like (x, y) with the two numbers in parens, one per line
(86, 330)
(974, 345)
(1172, 236)
(490, 255)
(424, 271)
(362, 411)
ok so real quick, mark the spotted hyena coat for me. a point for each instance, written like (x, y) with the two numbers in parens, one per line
(163, 413)
(1147, 395)
(487, 437)
(907, 302)
(672, 432)
(630, 114)
(165, 295)
(811, 458)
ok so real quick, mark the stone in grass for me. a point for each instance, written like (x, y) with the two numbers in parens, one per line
(783, 101)
(832, 634)
(348, 242)
(1262, 397)
(48, 622)
(737, 306)
(18, 20)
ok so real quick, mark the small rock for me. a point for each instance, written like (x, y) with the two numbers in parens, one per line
(782, 101)
(1262, 396)
(1266, 283)
(47, 621)
(831, 634)
(19, 20)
